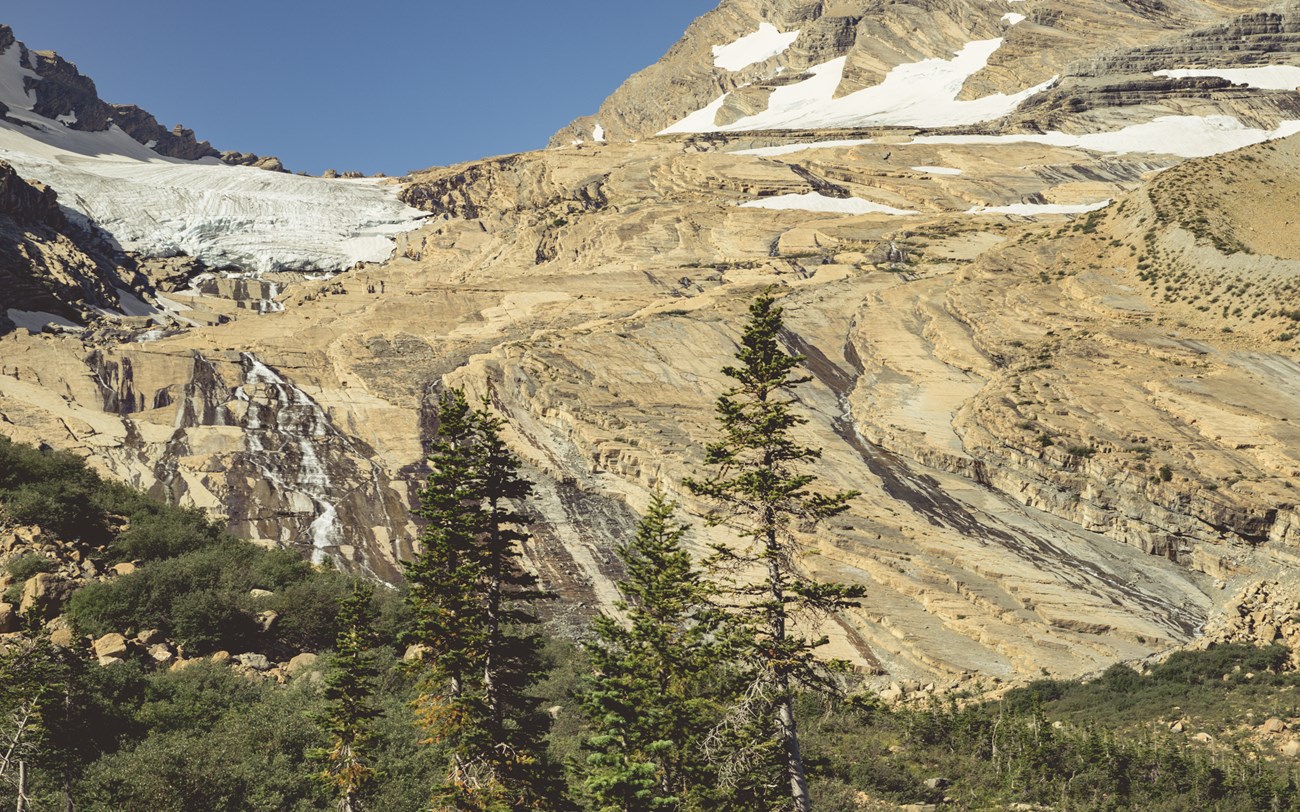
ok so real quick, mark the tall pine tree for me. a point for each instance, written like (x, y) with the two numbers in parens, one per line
(349, 694)
(444, 580)
(471, 601)
(761, 489)
(657, 679)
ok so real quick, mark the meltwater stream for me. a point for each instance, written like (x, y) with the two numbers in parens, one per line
(283, 429)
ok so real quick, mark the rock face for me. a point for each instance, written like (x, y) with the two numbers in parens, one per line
(48, 266)
(1073, 424)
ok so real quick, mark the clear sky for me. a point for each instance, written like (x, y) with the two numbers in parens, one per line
(370, 85)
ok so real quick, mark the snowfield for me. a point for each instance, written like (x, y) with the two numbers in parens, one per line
(224, 215)
(1031, 209)
(1184, 136)
(761, 45)
(787, 149)
(812, 201)
(919, 94)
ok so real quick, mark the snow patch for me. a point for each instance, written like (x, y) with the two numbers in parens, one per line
(919, 94)
(132, 305)
(936, 170)
(1012, 18)
(34, 321)
(1031, 209)
(761, 45)
(67, 118)
(1184, 136)
(787, 149)
(1265, 77)
(13, 92)
(812, 201)
(598, 134)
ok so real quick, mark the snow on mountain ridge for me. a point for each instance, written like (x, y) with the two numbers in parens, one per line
(764, 43)
(923, 94)
(223, 215)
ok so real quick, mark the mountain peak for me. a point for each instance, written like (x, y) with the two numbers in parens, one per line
(791, 65)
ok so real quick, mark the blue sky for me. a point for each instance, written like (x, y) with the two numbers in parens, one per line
(371, 85)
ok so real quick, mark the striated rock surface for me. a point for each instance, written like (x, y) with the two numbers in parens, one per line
(1072, 422)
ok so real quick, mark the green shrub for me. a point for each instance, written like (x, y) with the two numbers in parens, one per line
(159, 531)
(29, 564)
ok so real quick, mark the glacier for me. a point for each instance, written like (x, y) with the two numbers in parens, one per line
(226, 216)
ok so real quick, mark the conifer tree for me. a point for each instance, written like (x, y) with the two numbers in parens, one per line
(761, 489)
(349, 692)
(445, 581)
(657, 676)
(513, 726)
(471, 601)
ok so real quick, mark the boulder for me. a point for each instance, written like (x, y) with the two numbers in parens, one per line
(125, 568)
(221, 657)
(938, 783)
(253, 662)
(1203, 737)
(893, 693)
(161, 653)
(300, 663)
(63, 638)
(45, 594)
(1273, 725)
(415, 652)
(8, 618)
(150, 637)
(110, 646)
(1291, 749)
(267, 620)
(260, 593)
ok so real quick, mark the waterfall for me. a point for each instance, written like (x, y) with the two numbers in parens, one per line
(284, 432)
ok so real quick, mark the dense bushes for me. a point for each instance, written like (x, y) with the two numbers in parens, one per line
(55, 489)
(202, 600)
(193, 581)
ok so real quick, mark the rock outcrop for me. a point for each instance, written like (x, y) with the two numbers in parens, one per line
(50, 268)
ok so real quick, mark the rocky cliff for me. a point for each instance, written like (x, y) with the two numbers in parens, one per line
(52, 270)
(1054, 346)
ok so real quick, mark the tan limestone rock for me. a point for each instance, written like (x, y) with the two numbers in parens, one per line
(300, 663)
(111, 645)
